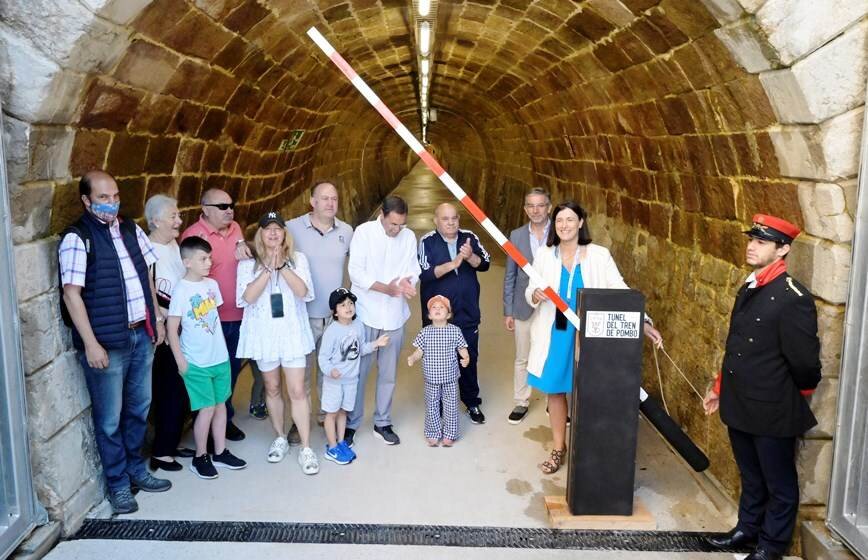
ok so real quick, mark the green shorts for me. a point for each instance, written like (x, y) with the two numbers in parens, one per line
(207, 386)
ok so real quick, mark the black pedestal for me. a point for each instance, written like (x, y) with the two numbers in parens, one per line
(605, 403)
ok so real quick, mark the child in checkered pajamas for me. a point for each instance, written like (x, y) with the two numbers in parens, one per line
(438, 345)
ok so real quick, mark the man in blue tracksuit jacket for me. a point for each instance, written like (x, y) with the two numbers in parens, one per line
(450, 258)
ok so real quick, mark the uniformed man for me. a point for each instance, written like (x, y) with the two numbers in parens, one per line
(771, 363)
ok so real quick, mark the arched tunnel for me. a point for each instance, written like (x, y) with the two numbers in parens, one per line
(671, 121)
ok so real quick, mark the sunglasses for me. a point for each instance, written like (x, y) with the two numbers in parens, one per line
(222, 205)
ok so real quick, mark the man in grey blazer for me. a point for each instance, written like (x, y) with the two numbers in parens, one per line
(516, 311)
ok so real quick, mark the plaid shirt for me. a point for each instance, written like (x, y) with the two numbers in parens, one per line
(72, 257)
(439, 347)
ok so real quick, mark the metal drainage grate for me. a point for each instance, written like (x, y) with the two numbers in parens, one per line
(418, 535)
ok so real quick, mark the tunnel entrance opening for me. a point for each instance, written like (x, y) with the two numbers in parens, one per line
(672, 120)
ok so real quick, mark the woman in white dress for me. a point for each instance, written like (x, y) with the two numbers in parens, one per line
(273, 288)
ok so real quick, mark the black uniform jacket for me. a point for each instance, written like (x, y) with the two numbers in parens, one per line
(772, 352)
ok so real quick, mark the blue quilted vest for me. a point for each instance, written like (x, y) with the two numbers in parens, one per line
(104, 291)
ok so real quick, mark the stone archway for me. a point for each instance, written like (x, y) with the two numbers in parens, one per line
(672, 120)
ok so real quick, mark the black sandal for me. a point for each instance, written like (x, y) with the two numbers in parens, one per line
(554, 462)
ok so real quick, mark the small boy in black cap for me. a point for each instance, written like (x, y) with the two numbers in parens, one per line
(343, 343)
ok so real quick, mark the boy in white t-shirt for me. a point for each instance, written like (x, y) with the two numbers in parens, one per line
(203, 360)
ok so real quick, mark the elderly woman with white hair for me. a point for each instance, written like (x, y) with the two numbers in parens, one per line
(169, 401)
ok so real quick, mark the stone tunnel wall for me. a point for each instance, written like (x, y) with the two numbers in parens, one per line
(672, 146)
(671, 120)
(169, 101)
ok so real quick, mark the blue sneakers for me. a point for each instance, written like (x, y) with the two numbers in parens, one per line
(350, 454)
(336, 455)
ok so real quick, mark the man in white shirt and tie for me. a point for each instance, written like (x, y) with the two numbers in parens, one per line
(383, 270)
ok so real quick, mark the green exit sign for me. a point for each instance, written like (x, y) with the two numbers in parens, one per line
(291, 143)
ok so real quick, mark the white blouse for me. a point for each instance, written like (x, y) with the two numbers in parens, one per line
(169, 269)
(268, 338)
(598, 271)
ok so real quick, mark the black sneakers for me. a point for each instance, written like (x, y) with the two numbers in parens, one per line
(227, 460)
(233, 432)
(122, 501)
(349, 434)
(386, 434)
(203, 467)
(517, 415)
(476, 415)
(259, 411)
(149, 483)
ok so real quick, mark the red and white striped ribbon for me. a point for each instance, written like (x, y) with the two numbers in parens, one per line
(441, 174)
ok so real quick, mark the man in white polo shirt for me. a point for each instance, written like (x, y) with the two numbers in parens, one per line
(325, 241)
(383, 270)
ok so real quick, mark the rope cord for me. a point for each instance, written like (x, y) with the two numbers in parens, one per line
(660, 381)
(678, 369)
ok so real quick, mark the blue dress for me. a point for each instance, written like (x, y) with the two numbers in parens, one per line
(557, 374)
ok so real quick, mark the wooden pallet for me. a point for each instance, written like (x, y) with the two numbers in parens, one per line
(561, 518)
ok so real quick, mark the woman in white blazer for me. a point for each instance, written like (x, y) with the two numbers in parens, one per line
(568, 262)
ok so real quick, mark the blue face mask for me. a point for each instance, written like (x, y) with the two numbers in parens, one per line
(105, 211)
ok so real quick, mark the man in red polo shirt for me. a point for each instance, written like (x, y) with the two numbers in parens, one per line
(217, 226)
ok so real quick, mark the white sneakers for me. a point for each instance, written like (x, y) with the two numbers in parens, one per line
(278, 450)
(307, 461)
(306, 457)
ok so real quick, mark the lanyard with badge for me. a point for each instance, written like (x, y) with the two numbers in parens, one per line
(276, 299)
(560, 318)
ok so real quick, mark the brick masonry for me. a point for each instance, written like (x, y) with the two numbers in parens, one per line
(672, 121)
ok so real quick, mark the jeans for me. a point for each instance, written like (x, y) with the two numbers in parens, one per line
(121, 396)
(231, 331)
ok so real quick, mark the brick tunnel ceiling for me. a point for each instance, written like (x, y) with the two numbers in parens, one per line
(635, 107)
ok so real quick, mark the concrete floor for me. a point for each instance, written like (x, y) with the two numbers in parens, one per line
(489, 478)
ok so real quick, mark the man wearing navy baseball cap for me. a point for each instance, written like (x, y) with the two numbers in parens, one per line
(770, 366)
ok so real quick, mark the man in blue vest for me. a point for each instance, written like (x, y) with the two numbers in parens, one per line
(450, 258)
(109, 300)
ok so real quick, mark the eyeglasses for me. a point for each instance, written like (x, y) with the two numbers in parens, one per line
(537, 206)
(222, 206)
